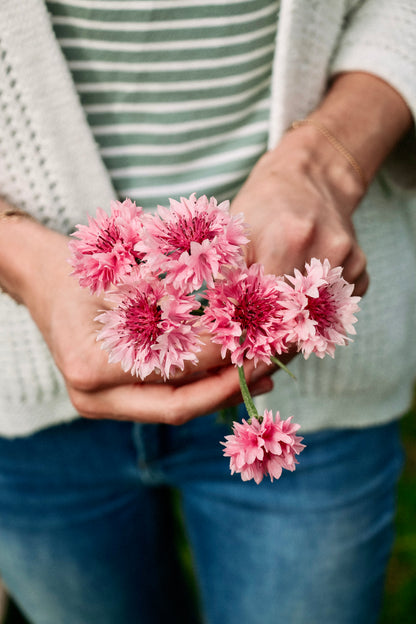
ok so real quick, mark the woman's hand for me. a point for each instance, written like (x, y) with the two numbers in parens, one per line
(300, 197)
(298, 201)
(39, 277)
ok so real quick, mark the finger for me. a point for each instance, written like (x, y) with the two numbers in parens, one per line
(355, 270)
(262, 386)
(88, 369)
(164, 403)
(102, 373)
(361, 284)
(161, 403)
(209, 359)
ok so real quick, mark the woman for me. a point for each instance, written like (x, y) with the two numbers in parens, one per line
(94, 105)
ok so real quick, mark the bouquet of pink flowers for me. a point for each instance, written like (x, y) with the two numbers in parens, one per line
(176, 274)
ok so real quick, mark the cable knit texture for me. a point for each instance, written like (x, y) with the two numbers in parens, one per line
(51, 167)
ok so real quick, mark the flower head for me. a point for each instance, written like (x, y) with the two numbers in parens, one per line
(150, 328)
(244, 314)
(192, 240)
(321, 308)
(104, 250)
(262, 447)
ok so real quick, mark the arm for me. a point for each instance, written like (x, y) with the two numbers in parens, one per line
(301, 196)
(35, 272)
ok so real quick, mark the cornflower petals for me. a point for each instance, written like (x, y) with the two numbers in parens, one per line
(104, 252)
(320, 307)
(244, 315)
(192, 241)
(154, 265)
(150, 328)
(264, 446)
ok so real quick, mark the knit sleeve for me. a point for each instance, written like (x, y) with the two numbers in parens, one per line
(380, 38)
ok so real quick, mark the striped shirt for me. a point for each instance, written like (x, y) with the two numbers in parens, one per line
(176, 92)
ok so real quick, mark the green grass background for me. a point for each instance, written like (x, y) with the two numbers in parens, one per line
(400, 595)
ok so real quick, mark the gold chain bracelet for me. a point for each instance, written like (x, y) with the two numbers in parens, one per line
(11, 213)
(336, 143)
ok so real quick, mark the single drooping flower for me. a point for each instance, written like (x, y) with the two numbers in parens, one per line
(192, 240)
(103, 252)
(263, 446)
(150, 328)
(244, 315)
(320, 308)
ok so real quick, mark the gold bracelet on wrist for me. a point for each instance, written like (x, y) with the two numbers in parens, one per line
(9, 213)
(336, 143)
(12, 213)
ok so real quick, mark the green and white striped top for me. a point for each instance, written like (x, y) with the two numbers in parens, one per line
(176, 91)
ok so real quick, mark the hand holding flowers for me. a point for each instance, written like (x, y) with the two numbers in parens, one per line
(156, 264)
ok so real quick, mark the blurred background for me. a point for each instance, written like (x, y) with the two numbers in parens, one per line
(400, 598)
(400, 595)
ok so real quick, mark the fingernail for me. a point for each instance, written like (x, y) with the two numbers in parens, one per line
(261, 387)
(258, 373)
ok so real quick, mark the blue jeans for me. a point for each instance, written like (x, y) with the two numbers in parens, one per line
(87, 533)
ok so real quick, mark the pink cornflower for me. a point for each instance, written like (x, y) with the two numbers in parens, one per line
(192, 240)
(262, 447)
(321, 308)
(244, 315)
(149, 329)
(104, 253)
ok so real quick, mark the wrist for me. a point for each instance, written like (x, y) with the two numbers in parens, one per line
(367, 115)
(316, 158)
(335, 142)
(25, 255)
(12, 221)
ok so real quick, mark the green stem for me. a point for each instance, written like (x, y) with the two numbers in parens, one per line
(280, 364)
(248, 401)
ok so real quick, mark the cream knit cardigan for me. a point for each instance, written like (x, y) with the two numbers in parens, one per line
(51, 167)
